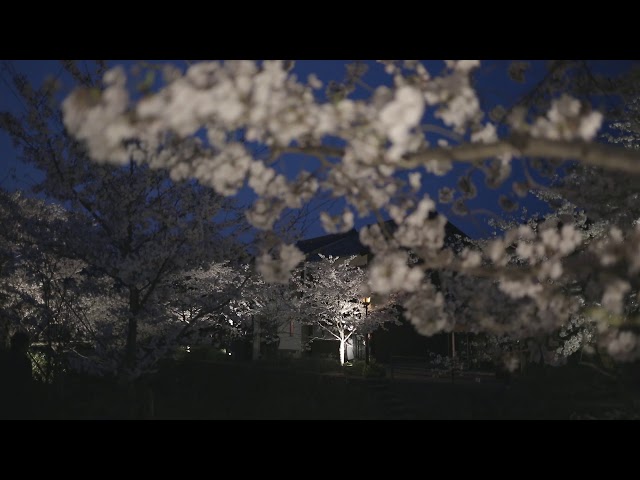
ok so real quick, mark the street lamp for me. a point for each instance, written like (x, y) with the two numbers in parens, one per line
(366, 301)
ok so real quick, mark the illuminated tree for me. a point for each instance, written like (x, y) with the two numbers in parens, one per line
(331, 295)
(131, 224)
(48, 295)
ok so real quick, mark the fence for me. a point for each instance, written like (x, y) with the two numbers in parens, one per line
(417, 368)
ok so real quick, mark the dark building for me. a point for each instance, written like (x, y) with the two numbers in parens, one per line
(348, 243)
(394, 340)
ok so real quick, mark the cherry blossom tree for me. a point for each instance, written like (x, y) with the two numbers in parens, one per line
(43, 293)
(271, 307)
(377, 152)
(599, 204)
(331, 298)
(131, 224)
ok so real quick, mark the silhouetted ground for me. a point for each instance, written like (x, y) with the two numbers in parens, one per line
(220, 391)
(243, 391)
(300, 391)
(542, 394)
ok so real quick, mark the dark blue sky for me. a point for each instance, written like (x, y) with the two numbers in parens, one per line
(494, 87)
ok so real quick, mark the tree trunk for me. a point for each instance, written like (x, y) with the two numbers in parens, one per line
(4, 334)
(453, 355)
(141, 400)
(132, 332)
(256, 338)
(453, 346)
(342, 347)
(46, 286)
(367, 339)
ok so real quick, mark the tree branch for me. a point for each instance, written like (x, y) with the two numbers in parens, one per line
(595, 154)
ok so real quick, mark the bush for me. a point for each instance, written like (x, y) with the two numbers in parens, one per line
(374, 370)
(200, 353)
(360, 369)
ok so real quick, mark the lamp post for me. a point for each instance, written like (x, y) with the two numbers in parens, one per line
(367, 336)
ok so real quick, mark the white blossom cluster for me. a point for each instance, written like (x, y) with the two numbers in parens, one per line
(425, 310)
(565, 121)
(338, 223)
(577, 334)
(417, 230)
(392, 273)
(542, 252)
(277, 270)
(459, 105)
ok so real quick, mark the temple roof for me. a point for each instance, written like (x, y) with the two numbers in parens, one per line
(348, 243)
